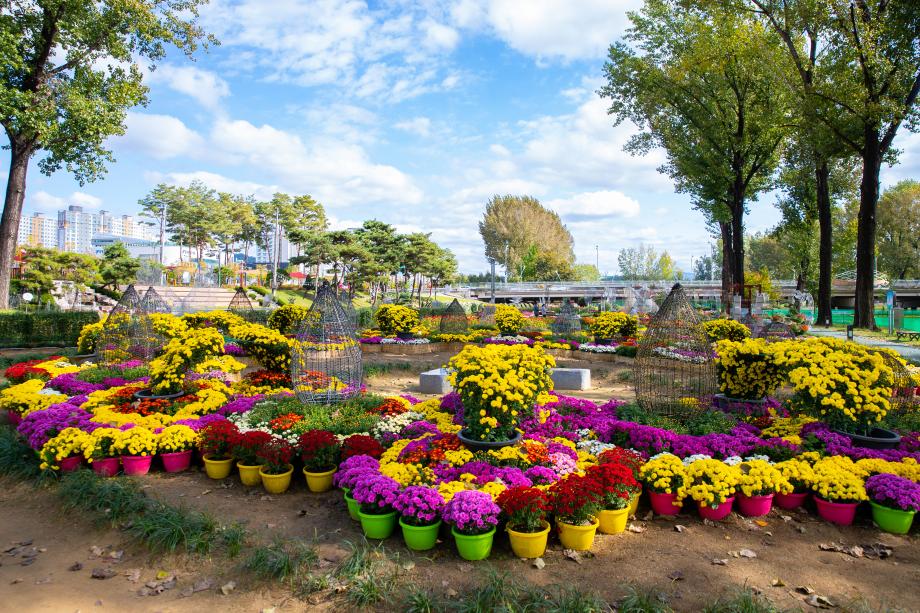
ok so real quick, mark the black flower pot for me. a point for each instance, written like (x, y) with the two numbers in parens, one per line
(602, 341)
(83, 357)
(405, 336)
(878, 438)
(731, 405)
(147, 394)
(486, 445)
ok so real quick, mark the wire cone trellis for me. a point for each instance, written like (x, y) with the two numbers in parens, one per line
(903, 390)
(487, 314)
(152, 302)
(453, 319)
(675, 372)
(240, 303)
(326, 363)
(128, 332)
(567, 321)
(776, 331)
(350, 312)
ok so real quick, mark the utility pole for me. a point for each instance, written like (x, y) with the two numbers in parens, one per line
(275, 252)
(492, 262)
(597, 258)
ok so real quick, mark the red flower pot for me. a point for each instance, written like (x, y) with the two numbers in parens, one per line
(106, 467)
(176, 462)
(14, 418)
(664, 504)
(71, 464)
(136, 464)
(840, 513)
(719, 513)
(790, 501)
(755, 506)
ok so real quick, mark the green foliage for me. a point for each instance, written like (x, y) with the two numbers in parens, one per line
(286, 319)
(711, 421)
(638, 600)
(627, 351)
(43, 328)
(167, 528)
(645, 262)
(118, 267)
(110, 500)
(41, 267)
(899, 231)
(98, 374)
(17, 459)
(744, 601)
(281, 560)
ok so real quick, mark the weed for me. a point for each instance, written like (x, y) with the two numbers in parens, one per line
(624, 376)
(112, 500)
(371, 589)
(231, 539)
(420, 601)
(744, 601)
(167, 528)
(376, 370)
(17, 459)
(312, 584)
(280, 560)
(643, 601)
(357, 564)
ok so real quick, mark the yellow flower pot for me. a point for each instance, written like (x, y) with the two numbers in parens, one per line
(529, 544)
(276, 484)
(634, 504)
(579, 538)
(613, 522)
(249, 475)
(217, 469)
(319, 482)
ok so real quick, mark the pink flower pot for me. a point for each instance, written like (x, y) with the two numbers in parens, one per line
(840, 513)
(106, 467)
(664, 504)
(71, 464)
(176, 462)
(790, 501)
(719, 513)
(136, 464)
(755, 506)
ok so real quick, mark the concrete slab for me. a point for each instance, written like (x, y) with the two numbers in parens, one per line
(434, 382)
(571, 378)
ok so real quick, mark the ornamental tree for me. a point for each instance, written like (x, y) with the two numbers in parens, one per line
(70, 71)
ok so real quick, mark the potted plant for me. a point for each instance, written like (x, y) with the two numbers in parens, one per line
(320, 451)
(838, 490)
(472, 516)
(176, 444)
(895, 500)
(102, 451)
(397, 319)
(64, 451)
(758, 482)
(524, 511)
(711, 483)
(748, 372)
(631, 460)
(190, 347)
(576, 500)
(800, 476)
(216, 442)
(137, 447)
(664, 476)
(508, 319)
(610, 325)
(275, 457)
(349, 472)
(245, 451)
(419, 510)
(618, 486)
(375, 495)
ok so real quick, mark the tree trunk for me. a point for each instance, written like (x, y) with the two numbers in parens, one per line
(864, 316)
(727, 262)
(826, 244)
(9, 223)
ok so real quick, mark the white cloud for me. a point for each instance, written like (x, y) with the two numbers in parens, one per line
(202, 85)
(215, 181)
(439, 36)
(46, 202)
(160, 136)
(418, 125)
(595, 206)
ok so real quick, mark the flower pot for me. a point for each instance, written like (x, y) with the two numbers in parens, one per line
(146, 394)
(377, 526)
(70, 464)
(719, 513)
(14, 418)
(217, 469)
(136, 464)
(176, 462)
(353, 506)
(276, 484)
(754, 506)
(529, 544)
(840, 513)
(319, 482)
(249, 475)
(613, 521)
(82, 357)
(579, 538)
(486, 445)
(474, 547)
(878, 438)
(664, 504)
(405, 336)
(891, 520)
(790, 501)
(599, 340)
(740, 406)
(634, 503)
(420, 538)
(106, 467)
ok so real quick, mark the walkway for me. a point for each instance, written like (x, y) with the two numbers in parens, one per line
(909, 352)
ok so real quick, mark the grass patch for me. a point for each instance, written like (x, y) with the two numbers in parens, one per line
(111, 500)
(280, 560)
(377, 370)
(639, 600)
(17, 459)
(166, 528)
(744, 601)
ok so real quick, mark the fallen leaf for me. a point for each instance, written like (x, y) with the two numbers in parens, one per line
(676, 576)
(133, 575)
(539, 564)
(679, 528)
(15, 581)
(228, 587)
(649, 516)
(409, 565)
(102, 573)
(27, 562)
(452, 593)
(786, 518)
(761, 523)
(778, 583)
(206, 492)
(43, 581)
(878, 550)
(801, 529)
(573, 555)
(747, 553)
(819, 602)
(709, 522)
(805, 589)
(75, 567)
(636, 529)
(720, 561)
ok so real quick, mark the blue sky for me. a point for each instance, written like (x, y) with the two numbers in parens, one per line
(414, 113)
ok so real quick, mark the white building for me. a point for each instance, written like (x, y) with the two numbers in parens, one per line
(141, 248)
(37, 231)
(264, 256)
(76, 228)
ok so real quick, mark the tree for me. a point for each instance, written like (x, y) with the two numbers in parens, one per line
(70, 70)
(586, 272)
(646, 264)
(41, 267)
(118, 267)
(514, 225)
(899, 231)
(705, 87)
(386, 247)
(303, 218)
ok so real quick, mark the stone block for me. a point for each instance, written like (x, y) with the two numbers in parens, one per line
(571, 378)
(434, 382)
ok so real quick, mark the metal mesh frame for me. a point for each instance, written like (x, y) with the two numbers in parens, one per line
(128, 331)
(487, 315)
(567, 321)
(240, 303)
(453, 319)
(666, 385)
(903, 391)
(152, 302)
(776, 331)
(326, 361)
(350, 312)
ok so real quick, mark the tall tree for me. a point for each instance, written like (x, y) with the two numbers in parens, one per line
(118, 267)
(646, 264)
(704, 86)
(899, 231)
(68, 73)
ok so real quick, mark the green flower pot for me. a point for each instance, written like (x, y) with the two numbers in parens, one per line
(378, 526)
(353, 506)
(476, 547)
(891, 520)
(420, 538)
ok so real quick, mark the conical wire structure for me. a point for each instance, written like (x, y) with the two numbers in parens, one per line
(326, 363)
(675, 372)
(240, 302)
(350, 312)
(453, 319)
(776, 331)
(567, 320)
(903, 390)
(152, 302)
(487, 314)
(127, 333)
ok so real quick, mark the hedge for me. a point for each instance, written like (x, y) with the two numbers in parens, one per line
(43, 328)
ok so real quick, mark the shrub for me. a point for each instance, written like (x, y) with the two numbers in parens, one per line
(287, 318)
(726, 330)
(395, 318)
(610, 324)
(508, 319)
(748, 369)
(43, 329)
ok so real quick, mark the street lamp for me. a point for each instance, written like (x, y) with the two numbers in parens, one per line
(492, 263)
(597, 258)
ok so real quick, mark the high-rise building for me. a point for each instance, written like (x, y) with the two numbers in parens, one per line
(37, 231)
(76, 228)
